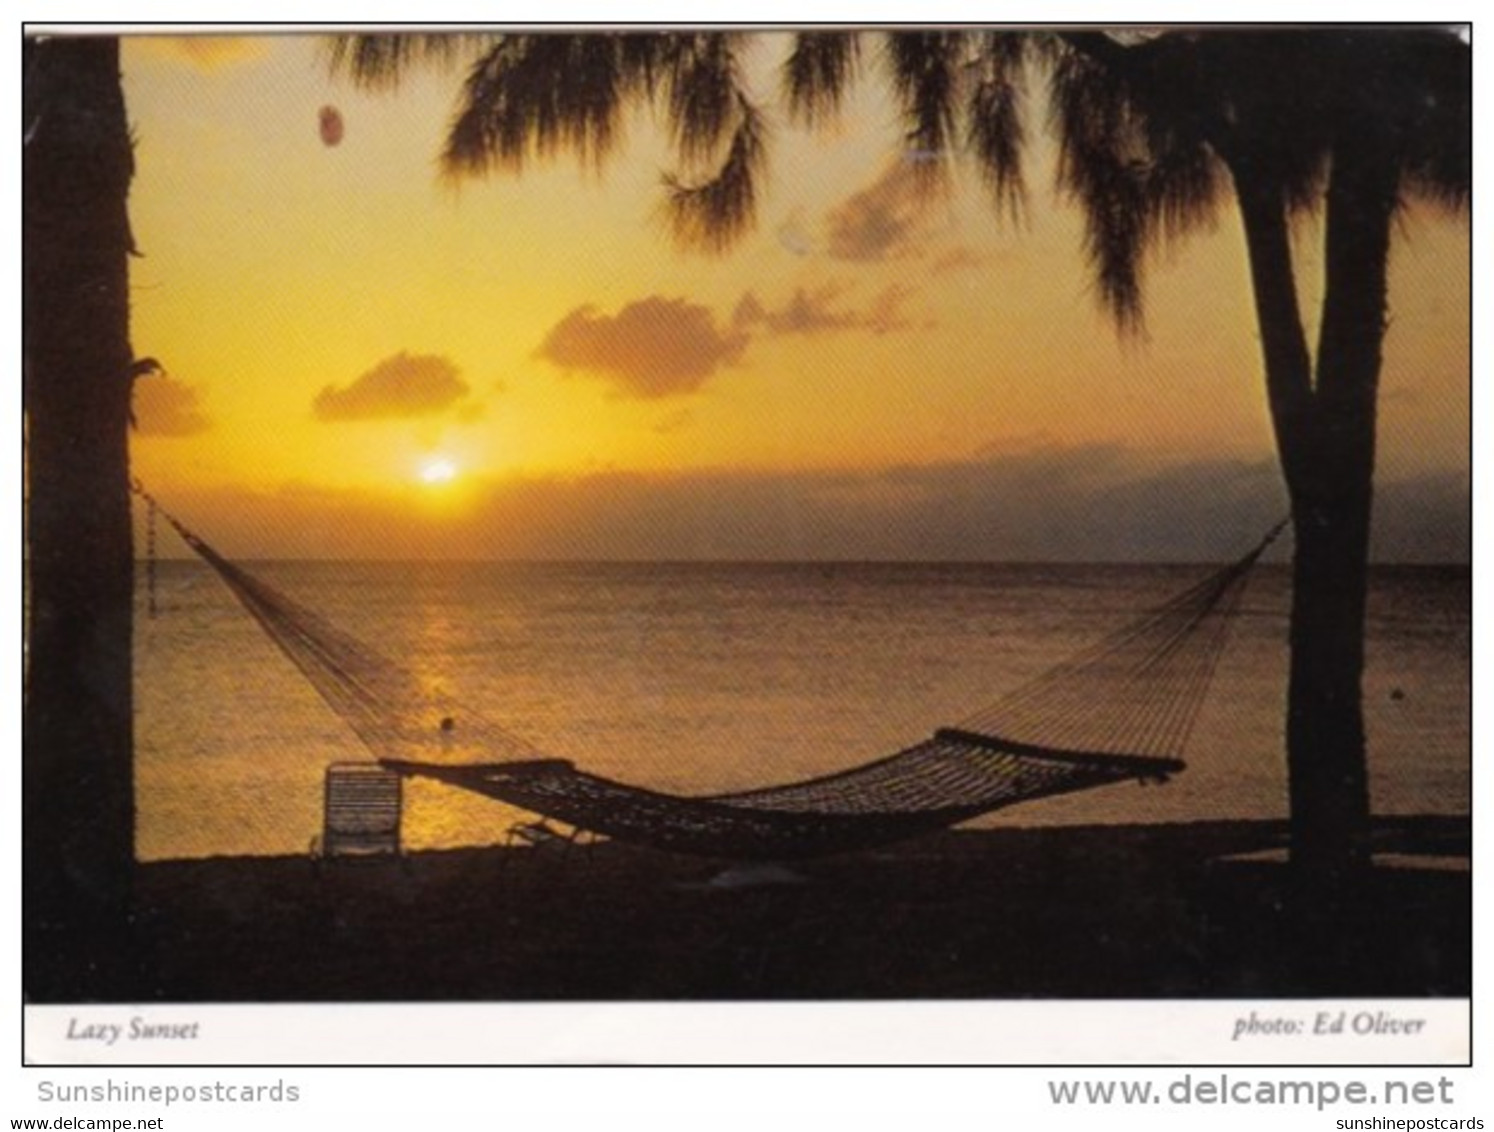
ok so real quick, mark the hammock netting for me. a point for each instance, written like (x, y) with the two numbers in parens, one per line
(1119, 710)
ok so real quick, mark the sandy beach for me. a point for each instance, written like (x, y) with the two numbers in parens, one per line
(1179, 910)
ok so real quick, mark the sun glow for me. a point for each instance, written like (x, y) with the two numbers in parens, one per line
(437, 470)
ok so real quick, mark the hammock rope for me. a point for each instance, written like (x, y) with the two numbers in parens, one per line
(1122, 709)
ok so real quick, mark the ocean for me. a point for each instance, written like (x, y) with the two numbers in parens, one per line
(701, 678)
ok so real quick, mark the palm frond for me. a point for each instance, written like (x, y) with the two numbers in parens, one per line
(1442, 177)
(995, 119)
(1102, 167)
(534, 96)
(713, 214)
(1262, 99)
(927, 73)
(382, 61)
(1439, 135)
(1184, 187)
(1141, 126)
(817, 73)
(702, 94)
(641, 58)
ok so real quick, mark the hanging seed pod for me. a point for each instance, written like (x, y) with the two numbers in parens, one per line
(329, 125)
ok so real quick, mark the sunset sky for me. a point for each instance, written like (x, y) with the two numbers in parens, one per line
(365, 360)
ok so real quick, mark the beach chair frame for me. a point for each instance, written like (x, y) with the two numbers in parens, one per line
(544, 836)
(362, 812)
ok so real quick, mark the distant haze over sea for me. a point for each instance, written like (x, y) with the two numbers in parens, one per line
(1068, 507)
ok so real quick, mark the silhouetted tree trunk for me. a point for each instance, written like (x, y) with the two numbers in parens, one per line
(1332, 505)
(1325, 431)
(78, 839)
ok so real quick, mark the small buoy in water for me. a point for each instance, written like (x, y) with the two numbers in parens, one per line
(1397, 694)
(329, 125)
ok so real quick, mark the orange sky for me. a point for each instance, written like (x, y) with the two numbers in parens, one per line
(366, 361)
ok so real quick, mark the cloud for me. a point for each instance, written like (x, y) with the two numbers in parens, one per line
(652, 348)
(1044, 503)
(206, 53)
(405, 385)
(883, 221)
(164, 406)
(658, 348)
(1424, 519)
(792, 235)
(890, 220)
(816, 312)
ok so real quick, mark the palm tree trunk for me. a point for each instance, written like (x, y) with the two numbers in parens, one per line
(1332, 505)
(1326, 758)
(1283, 342)
(1325, 433)
(78, 838)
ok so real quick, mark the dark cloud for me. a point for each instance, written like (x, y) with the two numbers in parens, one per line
(652, 348)
(817, 312)
(657, 348)
(882, 221)
(405, 385)
(1042, 504)
(1424, 519)
(164, 406)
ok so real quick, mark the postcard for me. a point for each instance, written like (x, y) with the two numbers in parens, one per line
(795, 545)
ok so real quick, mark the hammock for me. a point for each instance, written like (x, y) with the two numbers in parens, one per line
(1119, 710)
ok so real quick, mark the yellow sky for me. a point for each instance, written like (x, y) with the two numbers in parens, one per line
(334, 319)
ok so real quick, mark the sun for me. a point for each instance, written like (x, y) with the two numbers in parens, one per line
(438, 470)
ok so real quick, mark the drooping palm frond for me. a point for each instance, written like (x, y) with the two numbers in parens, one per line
(995, 122)
(1174, 109)
(927, 75)
(817, 73)
(1167, 123)
(720, 135)
(381, 61)
(703, 93)
(535, 95)
(1443, 174)
(1102, 166)
(1185, 186)
(1147, 122)
(1265, 101)
(714, 213)
(1433, 73)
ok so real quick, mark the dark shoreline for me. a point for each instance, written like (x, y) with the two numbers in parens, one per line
(1159, 911)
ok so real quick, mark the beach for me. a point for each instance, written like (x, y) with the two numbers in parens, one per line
(1183, 910)
(708, 678)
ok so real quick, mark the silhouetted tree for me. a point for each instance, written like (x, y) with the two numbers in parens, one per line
(77, 782)
(1348, 123)
(1156, 132)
